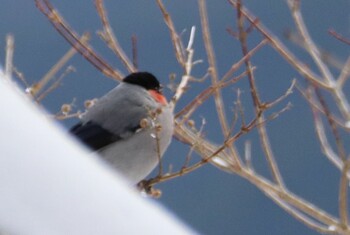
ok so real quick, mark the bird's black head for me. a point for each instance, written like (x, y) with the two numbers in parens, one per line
(143, 79)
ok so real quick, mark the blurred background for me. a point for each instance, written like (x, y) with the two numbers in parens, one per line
(209, 200)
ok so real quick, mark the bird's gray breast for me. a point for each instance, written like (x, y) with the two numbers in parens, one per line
(119, 111)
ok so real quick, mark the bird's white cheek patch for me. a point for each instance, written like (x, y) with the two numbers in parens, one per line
(158, 97)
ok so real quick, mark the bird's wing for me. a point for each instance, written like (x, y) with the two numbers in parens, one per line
(114, 117)
(93, 135)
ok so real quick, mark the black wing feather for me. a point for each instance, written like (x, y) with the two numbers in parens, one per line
(93, 135)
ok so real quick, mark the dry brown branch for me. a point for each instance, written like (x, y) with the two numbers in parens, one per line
(281, 48)
(178, 47)
(304, 93)
(134, 51)
(238, 64)
(339, 36)
(290, 198)
(284, 96)
(9, 56)
(326, 56)
(219, 103)
(345, 74)
(190, 108)
(71, 36)
(311, 47)
(332, 124)
(55, 85)
(212, 66)
(20, 76)
(204, 160)
(319, 227)
(320, 130)
(258, 105)
(111, 39)
(343, 196)
(248, 155)
(188, 67)
(37, 87)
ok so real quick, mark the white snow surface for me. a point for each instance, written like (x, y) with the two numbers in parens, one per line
(49, 184)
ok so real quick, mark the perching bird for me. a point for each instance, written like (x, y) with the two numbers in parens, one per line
(130, 127)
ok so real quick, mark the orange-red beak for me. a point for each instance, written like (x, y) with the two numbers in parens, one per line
(157, 96)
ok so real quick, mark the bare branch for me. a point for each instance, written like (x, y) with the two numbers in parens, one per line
(204, 95)
(281, 48)
(343, 196)
(71, 36)
(321, 228)
(285, 95)
(319, 127)
(9, 56)
(179, 52)
(188, 67)
(37, 87)
(134, 51)
(290, 198)
(310, 46)
(111, 39)
(338, 94)
(238, 64)
(248, 154)
(332, 124)
(55, 85)
(339, 36)
(345, 74)
(258, 106)
(219, 103)
(212, 66)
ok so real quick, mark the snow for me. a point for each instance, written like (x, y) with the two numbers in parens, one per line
(49, 184)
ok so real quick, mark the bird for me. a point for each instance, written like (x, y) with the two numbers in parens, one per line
(130, 127)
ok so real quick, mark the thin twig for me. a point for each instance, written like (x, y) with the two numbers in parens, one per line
(20, 76)
(204, 160)
(111, 39)
(290, 198)
(304, 93)
(281, 48)
(36, 88)
(340, 98)
(204, 95)
(134, 51)
(248, 154)
(212, 66)
(339, 36)
(319, 127)
(71, 36)
(332, 124)
(285, 95)
(238, 64)
(55, 85)
(259, 108)
(188, 67)
(10, 41)
(159, 155)
(343, 196)
(178, 47)
(188, 157)
(345, 73)
(219, 103)
(319, 227)
(326, 56)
